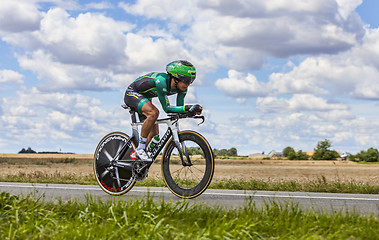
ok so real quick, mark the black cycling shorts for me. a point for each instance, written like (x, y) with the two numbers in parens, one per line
(136, 100)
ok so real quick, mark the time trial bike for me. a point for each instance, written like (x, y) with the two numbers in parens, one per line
(187, 159)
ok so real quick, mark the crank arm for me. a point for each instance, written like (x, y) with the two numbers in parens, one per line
(126, 166)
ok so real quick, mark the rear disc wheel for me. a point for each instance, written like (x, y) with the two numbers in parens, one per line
(114, 180)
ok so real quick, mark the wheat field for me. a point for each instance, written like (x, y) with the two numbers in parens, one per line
(80, 165)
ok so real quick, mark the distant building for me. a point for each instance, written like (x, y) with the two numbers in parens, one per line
(257, 155)
(274, 154)
(345, 155)
(310, 153)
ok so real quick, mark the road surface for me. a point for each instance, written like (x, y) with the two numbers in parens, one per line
(360, 203)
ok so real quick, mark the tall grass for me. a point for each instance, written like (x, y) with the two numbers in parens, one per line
(318, 185)
(27, 217)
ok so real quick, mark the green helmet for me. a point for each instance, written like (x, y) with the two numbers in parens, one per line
(182, 70)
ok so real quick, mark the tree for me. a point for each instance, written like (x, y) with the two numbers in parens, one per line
(371, 155)
(29, 150)
(225, 152)
(232, 152)
(194, 151)
(299, 155)
(322, 151)
(287, 150)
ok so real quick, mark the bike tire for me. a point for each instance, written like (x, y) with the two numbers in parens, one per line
(188, 181)
(106, 150)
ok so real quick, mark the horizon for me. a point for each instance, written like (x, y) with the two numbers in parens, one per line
(270, 74)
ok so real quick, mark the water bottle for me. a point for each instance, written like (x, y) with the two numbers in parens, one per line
(153, 142)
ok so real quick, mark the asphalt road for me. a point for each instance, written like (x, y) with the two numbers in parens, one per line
(358, 203)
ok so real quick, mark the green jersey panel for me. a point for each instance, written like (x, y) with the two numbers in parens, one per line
(158, 85)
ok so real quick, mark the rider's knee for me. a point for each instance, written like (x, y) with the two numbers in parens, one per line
(155, 113)
(152, 113)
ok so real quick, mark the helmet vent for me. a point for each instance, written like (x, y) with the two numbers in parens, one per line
(186, 63)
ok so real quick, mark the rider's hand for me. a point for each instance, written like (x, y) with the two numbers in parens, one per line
(194, 109)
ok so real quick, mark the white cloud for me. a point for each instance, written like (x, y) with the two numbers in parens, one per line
(177, 11)
(16, 16)
(89, 39)
(304, 130)
(280, 28)
(143, 52)
(298, 102)
(241, 35)
(347, 7)
(237, 40)
(59, 76)
(240, 86)
(354, 72)
(10, 76)
(45, 120)
(91, 51)
(99, 5)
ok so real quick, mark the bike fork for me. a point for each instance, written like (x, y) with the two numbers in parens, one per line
(180, 146)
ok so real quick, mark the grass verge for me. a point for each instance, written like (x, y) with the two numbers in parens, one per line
(319, 185)
(27, 217)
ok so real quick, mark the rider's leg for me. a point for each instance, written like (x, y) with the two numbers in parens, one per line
(148, 127)
(153, 132)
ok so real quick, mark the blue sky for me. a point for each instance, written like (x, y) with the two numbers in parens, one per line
(271, 74)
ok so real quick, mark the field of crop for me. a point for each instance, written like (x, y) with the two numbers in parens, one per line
(325, 176)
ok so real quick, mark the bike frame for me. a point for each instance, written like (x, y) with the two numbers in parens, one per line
(172, 131)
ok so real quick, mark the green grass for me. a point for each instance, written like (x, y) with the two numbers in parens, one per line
(369, 163)
(319, 185)
(27, 217)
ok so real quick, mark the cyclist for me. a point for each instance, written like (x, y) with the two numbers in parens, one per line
(180, 74)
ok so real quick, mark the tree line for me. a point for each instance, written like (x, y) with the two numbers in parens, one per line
(30, 150)
(323, 152)
(191, 150)
(232, 152)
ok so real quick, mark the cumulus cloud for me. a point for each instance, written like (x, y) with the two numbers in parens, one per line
(182, 11)
(282, 29)
(144, 52)
(298, 102)
(351, 73)
(242, 34)
(99, 5)
(239, 40)
(10, 76)
(74, 53)
(56, 75)
(91, 51)
(304, 130)
(17, 16)
(54, 118)
(88, 39)
(240, 86)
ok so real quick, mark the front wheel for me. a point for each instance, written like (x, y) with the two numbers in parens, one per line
(188, 181)
(114, 147)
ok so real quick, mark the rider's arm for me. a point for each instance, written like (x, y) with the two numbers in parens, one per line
(162, 96)
(180, 98)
